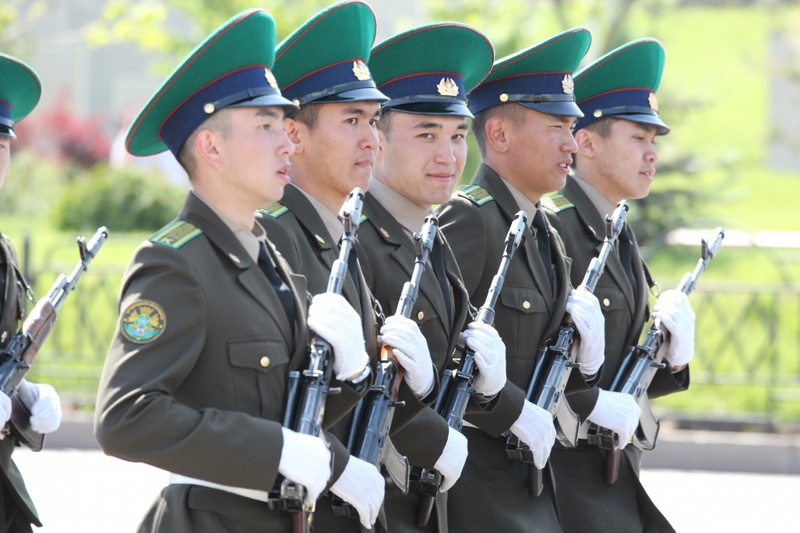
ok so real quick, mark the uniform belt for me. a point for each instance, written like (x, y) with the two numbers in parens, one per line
(253, 494)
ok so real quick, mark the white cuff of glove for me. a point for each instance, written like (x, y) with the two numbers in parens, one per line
(305, 460)
(362, 486)
(5, 409)
(44, 404)
(411, 350)
(335, 320)
(490, 358)
(618, 412)
(584, 309)
(677, 316)
(535, 428)
(451, 462)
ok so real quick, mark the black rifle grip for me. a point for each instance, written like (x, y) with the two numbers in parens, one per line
(612, 467)
(425, 509)
(535, 480)
(21, 425)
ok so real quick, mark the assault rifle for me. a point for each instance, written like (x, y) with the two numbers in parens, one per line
(456, 386)
(555, 363)
(18, 355)
(314, 384)
(640, 365)
(373, 419)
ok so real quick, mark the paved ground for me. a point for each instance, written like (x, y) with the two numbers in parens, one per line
(704, 482)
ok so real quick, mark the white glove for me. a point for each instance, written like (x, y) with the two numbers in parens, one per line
(676, 314)
(535, 428)
(305, 460)
(44, 403)
(490, 357)
(411, 350)
(618, 412)
(451, 462)
(335, 320)
(584, 309)
(362, 486)
(5, 409)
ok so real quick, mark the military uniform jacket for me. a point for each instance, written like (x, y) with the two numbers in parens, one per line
(493, 490)
(199, 390)
(12, 309)
(625, 309)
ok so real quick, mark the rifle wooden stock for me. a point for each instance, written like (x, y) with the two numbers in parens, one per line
(556, 361)
(639, 367)
(453, 399)
(18, 355)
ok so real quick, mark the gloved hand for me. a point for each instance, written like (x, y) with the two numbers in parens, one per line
(5, 409)
(490, 357)
(451, 462)
(335, 320)
(305, 460)
(584, 309)
(362, 486)
(535, 428)
(618, 412)
(44, 403)
(676, 314)
(411, 350)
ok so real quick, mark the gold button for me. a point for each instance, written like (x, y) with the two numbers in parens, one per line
(420, 315)
(264, 361)
(606, 302)
(526, 304)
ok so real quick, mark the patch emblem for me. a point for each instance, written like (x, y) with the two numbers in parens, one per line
(176, 234)
(556, 202)
(143, 321)
(477, 194)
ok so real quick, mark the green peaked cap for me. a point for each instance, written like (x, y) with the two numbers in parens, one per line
(230, 68)
(325, 59)
(20, 90)
(449, 60)
(539, 77)
(623, 84)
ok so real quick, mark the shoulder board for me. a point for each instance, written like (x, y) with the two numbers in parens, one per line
(176, 234)
(476, 194)
(556, 202)
(274, 210)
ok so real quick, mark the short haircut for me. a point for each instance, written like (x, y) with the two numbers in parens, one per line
(385, 122)
(601, 126)
(511, 111)
(307, 114)
(219, 122)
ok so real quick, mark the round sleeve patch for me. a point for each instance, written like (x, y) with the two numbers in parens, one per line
(143, 321)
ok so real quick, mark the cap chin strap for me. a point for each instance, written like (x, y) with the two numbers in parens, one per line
(537, 98)
(624, 110)
(331, 91)
(242, 96)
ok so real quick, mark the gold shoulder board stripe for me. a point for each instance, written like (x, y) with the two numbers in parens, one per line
(275, 210)
(176, 234)
(556, 202)
(477, 194)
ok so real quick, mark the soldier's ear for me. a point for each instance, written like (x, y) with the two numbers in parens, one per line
(496, 138)
(585, 141)
(206, 147)
(296, 131)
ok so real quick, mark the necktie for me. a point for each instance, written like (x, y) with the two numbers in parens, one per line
(543, 242)
(437, 259)
(625, 255)
(281, 288)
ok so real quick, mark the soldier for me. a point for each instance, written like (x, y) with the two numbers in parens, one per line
(334, 136)
(211, 318)
(19, 93)
(524, 115)
(616, 160)
(423, 148)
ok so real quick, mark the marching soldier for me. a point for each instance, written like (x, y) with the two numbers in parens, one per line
(211, 318)
(423, 148)
(20, 90)
(524, 114)
(616, 160)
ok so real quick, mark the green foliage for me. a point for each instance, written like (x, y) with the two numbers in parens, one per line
(31, 185)
(126, 199)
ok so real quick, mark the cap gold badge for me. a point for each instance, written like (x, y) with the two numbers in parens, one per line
(143, 321)
(270, 77)
(447, 87)
(567, 84)
(652, 101)
(361, 70)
